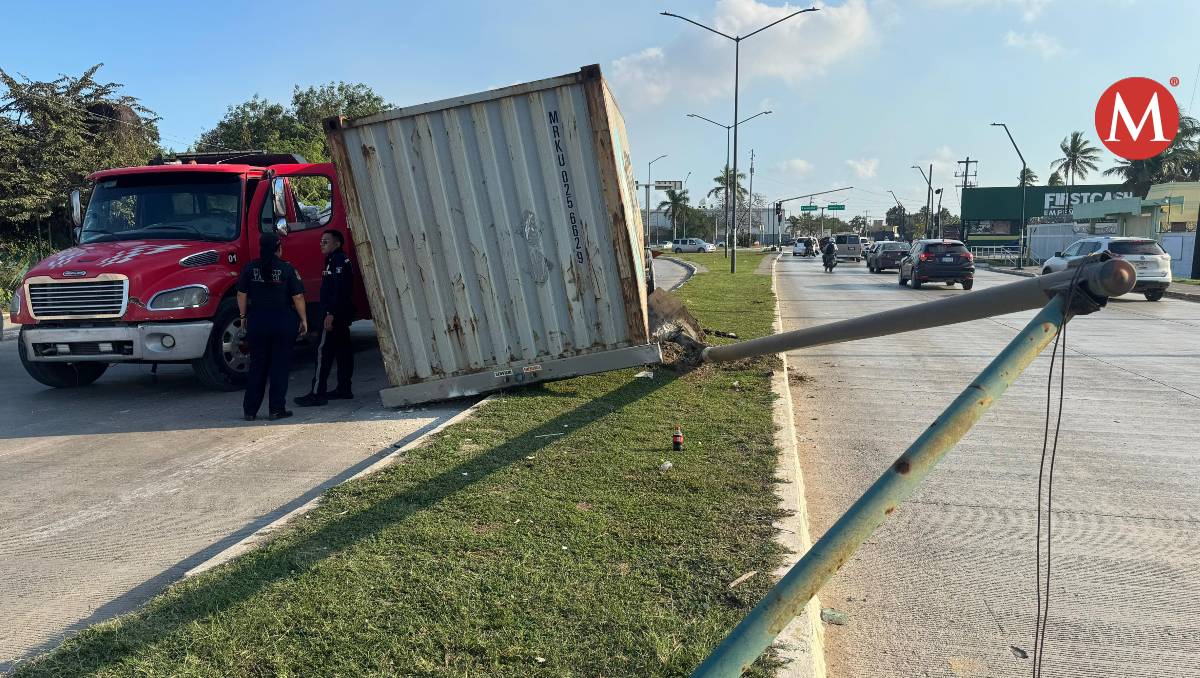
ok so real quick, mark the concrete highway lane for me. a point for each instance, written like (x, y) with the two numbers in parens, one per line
(110, 492)
(946, 587)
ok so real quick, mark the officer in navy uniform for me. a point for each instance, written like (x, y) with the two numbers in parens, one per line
(270, 298)
(337, 312)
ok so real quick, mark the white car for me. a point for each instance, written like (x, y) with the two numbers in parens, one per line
(800, 248)
(691, 245)
(1151, 263)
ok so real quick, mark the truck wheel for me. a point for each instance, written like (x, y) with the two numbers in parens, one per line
(223, 366)
(60, 375)
(1153, 295)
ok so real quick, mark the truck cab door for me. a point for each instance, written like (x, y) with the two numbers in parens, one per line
(314, 206)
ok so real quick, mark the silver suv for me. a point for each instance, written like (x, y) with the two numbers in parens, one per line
(1151, 263)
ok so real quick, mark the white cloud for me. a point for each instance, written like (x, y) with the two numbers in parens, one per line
(643, 73)
(1030, 9)
(795, 167)
(696, 63)
(1036, 42)
(864, 168)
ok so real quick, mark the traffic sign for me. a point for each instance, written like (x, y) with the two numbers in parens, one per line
(668, 185)
(808, 208)
(835, 207)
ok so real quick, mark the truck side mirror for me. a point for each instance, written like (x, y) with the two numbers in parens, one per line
(281, 226)
(278, 198)
(76, 210)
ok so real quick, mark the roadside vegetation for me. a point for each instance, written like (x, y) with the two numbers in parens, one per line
(545, 535)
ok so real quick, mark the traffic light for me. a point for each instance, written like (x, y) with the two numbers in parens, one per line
(779, 211)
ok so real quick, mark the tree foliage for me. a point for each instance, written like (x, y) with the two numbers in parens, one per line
(295, 128)
(1027, 177)
(54, 133)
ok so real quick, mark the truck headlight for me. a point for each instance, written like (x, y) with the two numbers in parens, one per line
(179, 298)
(14, 306)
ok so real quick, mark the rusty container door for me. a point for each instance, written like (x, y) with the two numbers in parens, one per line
(498, 236)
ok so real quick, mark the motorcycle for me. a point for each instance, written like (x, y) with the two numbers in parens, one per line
(829, 260)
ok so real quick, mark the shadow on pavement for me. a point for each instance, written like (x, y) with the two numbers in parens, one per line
(244, 578)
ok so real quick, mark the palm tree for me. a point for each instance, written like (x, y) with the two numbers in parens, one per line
(1138, 172)
(1079, 157)
(1180, 162)
(1027, 177)
(676, 206)
(726, 178)
(1055, 179)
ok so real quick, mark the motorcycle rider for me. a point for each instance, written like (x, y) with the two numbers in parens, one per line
(829, 253)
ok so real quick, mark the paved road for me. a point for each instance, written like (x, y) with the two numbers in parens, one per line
(110, 492)
(946, 586)
(668, 274)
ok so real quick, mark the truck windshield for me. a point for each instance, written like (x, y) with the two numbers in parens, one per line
(170, 205)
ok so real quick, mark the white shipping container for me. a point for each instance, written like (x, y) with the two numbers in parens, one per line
(499, 237)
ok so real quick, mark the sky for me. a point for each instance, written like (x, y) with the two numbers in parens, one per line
(860, 90)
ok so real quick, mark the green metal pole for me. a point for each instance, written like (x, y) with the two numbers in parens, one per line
(747, 641)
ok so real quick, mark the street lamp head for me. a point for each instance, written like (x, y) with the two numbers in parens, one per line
(997, 124)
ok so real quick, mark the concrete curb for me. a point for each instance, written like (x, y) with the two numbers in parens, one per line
(1170, 294)
(691, 271)
(803, 639)
(261, 535)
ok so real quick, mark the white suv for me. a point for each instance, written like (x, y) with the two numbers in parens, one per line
(1151, 263)
(691, 245)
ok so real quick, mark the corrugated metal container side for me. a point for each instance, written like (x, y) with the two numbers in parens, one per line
(498, 235)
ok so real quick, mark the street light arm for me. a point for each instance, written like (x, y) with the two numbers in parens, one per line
(1014, 143)
(922, 171)
(810, 9)
(812, 195)
(711, 30)
(693, 115)
(753, 117)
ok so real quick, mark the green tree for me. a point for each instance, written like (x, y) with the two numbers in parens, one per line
(1079, 157)
(53, 134)
(1055, 179)
(296, 128)
(1027, 177)
(725, 178)
(676, 206)
(1180, 162)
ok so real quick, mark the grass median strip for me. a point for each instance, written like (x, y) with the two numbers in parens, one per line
(502, 548)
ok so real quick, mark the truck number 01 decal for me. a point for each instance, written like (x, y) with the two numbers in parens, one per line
(564, 177)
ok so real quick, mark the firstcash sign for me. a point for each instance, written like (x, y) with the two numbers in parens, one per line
(1137, 118)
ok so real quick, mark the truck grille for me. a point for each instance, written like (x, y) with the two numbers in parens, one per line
(83, 299)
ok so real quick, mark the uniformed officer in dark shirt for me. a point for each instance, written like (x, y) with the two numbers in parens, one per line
(337, 312)
(270, 298)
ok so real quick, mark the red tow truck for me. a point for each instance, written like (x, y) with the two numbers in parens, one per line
(152, 276)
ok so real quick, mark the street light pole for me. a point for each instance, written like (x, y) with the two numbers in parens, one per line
(938, 217)
(728, 179)
(737, 44)
(900, 230)
(648, 182)
(928, 199)
(1022, 236)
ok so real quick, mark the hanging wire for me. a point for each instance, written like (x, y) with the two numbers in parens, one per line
(1043, 597)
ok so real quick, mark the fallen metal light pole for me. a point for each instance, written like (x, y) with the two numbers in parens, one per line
(1102, 279)
(1098, 281)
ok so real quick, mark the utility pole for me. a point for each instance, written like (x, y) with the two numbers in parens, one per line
(938, 215)
(1023, 238)
(966, 177)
